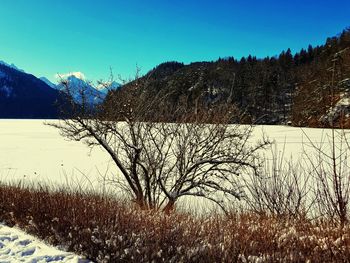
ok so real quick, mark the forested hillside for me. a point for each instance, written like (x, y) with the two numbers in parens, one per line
(288, 88)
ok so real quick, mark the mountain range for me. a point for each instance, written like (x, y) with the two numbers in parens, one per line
(25, 96)
(308, 88)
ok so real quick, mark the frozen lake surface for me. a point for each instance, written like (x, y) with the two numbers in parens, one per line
(32, 151)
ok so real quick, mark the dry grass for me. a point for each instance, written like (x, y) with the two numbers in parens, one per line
(105, 230)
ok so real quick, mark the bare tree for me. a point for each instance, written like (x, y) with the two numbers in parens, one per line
(282, 188)
(330, 164)
(330, 169)
(197, 154)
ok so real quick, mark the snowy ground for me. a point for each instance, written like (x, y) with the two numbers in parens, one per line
(16, 246)
(33, 152)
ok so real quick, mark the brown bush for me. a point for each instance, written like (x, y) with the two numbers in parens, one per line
(105, 230)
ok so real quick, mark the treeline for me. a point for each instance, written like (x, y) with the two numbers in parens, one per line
(272, 90)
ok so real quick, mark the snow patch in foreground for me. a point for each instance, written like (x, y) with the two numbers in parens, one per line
(17, 246)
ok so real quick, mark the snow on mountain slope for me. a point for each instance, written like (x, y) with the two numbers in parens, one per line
(17, 246)
(80, 89)
(341, 108)
(107, 86)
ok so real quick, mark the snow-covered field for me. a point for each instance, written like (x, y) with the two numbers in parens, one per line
(31, 151)
(17, 246)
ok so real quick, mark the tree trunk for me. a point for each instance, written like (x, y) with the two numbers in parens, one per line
(169, 207)
(140, 201)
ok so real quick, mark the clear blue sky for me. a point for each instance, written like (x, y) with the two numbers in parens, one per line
(45, 37)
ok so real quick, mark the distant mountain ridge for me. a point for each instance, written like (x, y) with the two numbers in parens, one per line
(78, 85)
(48, 82)
(11, 66)
(25, 96)
(105, 87)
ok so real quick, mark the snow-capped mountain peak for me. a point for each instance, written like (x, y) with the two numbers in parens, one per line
(80, 89)
(76, 74)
